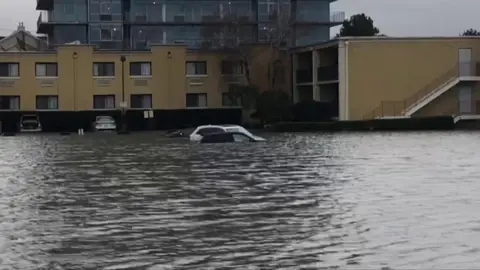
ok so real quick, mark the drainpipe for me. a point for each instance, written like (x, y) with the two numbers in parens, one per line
(74, 57)
(347, 116)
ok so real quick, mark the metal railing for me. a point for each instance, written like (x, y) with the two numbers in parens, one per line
(335, 18)
(399, 108)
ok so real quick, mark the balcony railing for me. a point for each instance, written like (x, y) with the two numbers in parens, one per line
(335, 18)
(52, 17)
(193, 18)
(399, 108)
(304, 76)
(327, 73)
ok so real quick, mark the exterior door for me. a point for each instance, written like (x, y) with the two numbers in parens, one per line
(465, 67)
(465, 99)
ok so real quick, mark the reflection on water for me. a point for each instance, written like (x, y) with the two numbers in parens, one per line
(404, 200)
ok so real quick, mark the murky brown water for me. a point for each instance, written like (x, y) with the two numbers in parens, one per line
(305, 201)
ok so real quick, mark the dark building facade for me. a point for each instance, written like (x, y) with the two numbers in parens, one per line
(135, 24)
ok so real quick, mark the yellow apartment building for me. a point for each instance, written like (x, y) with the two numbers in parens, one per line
(78, 78)
(382, 77)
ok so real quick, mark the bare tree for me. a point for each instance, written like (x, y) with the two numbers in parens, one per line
(243, 41)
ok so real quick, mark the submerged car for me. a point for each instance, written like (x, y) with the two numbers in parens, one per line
(30, 123)
(104, 123)
(226, 137)
(201, 131)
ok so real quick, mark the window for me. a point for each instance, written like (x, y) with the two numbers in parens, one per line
(104, 102)
(141, 101)
(106, 7)
(228, 100)
(9, 102)
(104, 69)
(143, 69)
(69, 8)
(196, 100)
(196, 68)
(9, 70)
(46, 70)
(232, 68)
(47, 102)
(206, 131)
(240, 138)
(106, 34)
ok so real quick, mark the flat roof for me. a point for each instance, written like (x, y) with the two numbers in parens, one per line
(335, 41)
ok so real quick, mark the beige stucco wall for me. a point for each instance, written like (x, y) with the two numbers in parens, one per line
(392, 70)
(75, 85)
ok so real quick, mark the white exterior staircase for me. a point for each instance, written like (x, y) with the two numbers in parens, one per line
(431, 96)
(422, 98)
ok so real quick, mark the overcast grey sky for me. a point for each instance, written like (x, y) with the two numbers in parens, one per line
(393, 17)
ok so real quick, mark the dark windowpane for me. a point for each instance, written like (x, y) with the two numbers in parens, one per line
(9, 70)
(106, 69)
(46, 70)
(9, 102)
(140, 69)
(47, 102)
(192, 100)
(141, 101)
(196, 68)
(205, 131)
(52, 70)
(104, 102)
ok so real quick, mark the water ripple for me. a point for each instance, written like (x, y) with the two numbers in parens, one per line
(309, 201)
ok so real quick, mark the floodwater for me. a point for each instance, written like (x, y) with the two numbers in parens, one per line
(298, 201)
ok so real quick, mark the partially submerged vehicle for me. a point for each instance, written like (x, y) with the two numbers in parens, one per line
(230, 136)
(201, 131)
(104, 123)
(30, 123)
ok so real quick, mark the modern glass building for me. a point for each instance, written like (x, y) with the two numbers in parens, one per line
(135, 24)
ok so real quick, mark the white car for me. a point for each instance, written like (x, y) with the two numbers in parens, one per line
(198, 133)
(104, 123)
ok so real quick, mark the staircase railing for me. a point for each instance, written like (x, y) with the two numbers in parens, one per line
(398, 108)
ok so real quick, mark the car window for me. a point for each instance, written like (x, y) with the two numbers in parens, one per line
(205, 131)
(104, 119)
(29, 118)
(240, 138)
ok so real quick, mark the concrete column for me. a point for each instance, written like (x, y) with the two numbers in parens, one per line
(164, 12)
(343, 81)
(294, 78)
(315, 65)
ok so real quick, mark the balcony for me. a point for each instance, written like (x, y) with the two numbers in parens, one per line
(47, 19)
(304, 76)
(43, 25)
(44, 4)
(190, 19)
(336, 18)
(327, 73)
